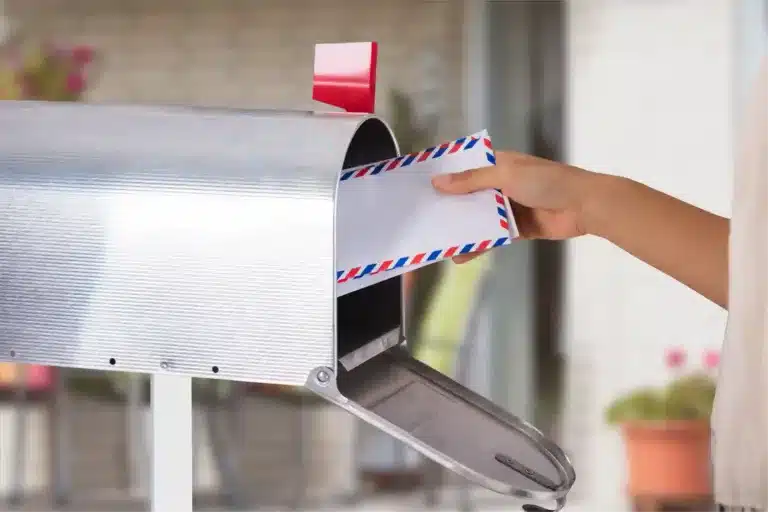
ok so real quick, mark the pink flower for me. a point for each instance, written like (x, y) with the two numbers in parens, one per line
(675, 357)
(82, 55)
(711, 359)
(75, 83)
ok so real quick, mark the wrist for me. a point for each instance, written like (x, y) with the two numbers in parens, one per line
(598, 193)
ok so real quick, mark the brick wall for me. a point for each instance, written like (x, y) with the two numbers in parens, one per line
(253, 53)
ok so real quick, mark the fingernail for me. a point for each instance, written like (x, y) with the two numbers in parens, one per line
(441, 180)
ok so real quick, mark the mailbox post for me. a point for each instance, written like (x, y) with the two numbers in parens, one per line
(192, 242)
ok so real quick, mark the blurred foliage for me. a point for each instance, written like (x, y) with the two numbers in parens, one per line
(115, 386)
(31, 70)
(689, 397)
(94, 384)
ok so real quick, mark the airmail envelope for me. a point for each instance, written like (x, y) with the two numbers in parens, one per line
(391, 220)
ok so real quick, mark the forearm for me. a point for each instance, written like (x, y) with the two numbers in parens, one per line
(679, 239)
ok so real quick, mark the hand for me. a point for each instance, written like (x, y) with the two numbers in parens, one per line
(547, 197)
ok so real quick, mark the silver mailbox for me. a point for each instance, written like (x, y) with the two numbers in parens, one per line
(201, 242)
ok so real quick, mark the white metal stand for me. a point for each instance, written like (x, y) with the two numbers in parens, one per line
(139, 449)
(172, 461)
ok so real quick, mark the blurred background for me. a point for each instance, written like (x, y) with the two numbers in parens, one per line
(566, 336)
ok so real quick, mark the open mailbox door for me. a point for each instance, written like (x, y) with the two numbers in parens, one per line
(378, 381)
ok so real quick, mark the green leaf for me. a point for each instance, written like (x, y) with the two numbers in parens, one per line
(687, 398)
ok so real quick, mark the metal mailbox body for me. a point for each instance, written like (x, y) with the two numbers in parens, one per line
(192, 238)
(201, 242)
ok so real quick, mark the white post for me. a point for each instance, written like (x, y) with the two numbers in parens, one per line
(172, 464)
(139, 450)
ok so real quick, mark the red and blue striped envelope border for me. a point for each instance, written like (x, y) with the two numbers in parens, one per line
(400, 162)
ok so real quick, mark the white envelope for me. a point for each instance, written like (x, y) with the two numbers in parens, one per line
(391, 220)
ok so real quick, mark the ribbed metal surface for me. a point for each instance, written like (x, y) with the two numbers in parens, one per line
(199, 238)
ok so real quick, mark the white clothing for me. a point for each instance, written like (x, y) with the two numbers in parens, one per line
(740, 417)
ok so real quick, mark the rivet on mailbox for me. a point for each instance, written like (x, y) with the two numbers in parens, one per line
(171, 239)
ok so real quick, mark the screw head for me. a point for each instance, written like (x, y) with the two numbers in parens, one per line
(164, 365)
(323, 377)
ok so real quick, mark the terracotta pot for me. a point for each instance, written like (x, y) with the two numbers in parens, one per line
(669, 459)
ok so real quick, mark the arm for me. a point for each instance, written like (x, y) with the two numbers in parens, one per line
(679, 239)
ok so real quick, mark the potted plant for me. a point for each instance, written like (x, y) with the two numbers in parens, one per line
(666, 433)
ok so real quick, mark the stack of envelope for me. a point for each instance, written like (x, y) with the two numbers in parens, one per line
(390, 219)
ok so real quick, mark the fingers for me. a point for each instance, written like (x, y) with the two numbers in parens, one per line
(464, 258)
(467, 181)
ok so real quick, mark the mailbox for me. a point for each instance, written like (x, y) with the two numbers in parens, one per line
(201, 242)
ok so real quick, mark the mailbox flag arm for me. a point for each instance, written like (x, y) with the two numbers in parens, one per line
(345, 76)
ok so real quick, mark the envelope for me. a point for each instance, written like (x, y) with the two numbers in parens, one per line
(391, 220)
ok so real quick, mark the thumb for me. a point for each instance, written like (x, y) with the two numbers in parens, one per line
(467, 181)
